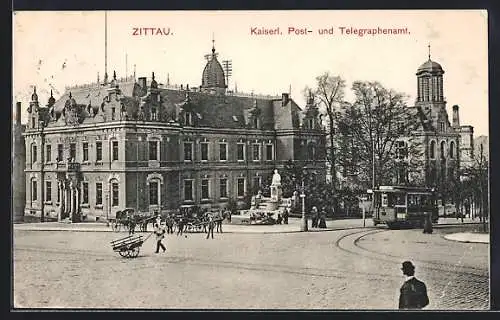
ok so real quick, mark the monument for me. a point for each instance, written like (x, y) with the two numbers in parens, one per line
(276, 190)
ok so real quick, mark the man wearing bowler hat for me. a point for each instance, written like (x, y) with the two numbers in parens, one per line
(413, 292)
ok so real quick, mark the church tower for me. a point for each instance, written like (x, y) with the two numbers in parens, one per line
(430, 95)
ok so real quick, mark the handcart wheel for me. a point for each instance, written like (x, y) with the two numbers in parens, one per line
(133, 252)
(123, 253)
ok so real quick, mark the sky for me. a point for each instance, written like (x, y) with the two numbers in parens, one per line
(58, 49)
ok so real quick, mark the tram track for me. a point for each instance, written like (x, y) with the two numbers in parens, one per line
(354, 248)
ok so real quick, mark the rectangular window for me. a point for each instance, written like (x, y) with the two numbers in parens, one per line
(153, 150)
(154, 114)
(115, 150)
(188, 190)
(223, 188)
(205, 192)
(241, 187)
(115, 194)
(256, 152)
(33, 154)
(188, 151)
(48, 153)
(153, 193)
(98, 193)
(204, 151)
(189, 120)
(269, 152)
(72, 151)
(85, 151)
(34, 195)
(60, 152)
(58, 193)
(113, 111)
(441, 126)
(240, 151)
(48, 191)
(222, 151)
(85, 192)
(98, 151)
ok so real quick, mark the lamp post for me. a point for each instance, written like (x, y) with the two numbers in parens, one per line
(303, 226)
(41, 125)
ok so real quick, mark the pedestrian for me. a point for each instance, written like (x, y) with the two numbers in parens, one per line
(285, 215)
(427, 223)
(218, 222)
(413, 292)
(322, 219)
(160, 234)
(170, 224)
(314, 217)
(211, 226)
(180, 225)
(279, 219)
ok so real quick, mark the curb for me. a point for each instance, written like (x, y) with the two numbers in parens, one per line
(447, 237)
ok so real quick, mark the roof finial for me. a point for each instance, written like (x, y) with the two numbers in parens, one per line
(153, 76)
(51, 93)
(34, 89)
(213, 43)
(114, 75)
(429, 46)
(70, 96)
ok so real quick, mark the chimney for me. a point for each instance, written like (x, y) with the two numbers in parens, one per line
(456, 118)
(142, 82)
(18, 113)
(284, 99)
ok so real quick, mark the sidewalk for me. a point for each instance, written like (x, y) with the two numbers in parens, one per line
(468, 237)
(293, 226)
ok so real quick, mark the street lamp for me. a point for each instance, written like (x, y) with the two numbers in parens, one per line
(41, 126)
(303, 226)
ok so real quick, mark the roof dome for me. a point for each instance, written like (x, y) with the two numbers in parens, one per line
(430, 66)
(52, 100)
(213, 74)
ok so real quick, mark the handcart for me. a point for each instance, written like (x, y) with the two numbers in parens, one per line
(129, 246)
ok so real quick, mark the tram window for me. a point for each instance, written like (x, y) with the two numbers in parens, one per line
(385, 201)
(399, 199)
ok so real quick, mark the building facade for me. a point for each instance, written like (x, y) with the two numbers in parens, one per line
(447, 146)
(18, 163)
(101, 148)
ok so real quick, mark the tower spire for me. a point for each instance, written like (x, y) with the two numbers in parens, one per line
(105, 47)
(213, 43)
(429, 47)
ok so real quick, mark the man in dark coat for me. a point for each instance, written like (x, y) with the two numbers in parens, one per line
(413, 292)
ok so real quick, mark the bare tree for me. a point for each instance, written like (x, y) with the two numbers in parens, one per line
(377, 129)
(329, 92)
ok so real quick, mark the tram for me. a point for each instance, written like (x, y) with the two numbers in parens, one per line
(398, 206)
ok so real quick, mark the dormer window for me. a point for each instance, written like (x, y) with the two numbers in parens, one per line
(255, 123)
(311, 123)
(189, 119)
(154, 114)
(113, 111)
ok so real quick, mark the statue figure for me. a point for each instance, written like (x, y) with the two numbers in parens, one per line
(276, 178)
(276, 187)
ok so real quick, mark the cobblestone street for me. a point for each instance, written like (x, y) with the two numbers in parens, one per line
(349, 269)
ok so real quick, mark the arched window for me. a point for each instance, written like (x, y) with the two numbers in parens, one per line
(432, 151)
(452, 150)
(154, 182)
(443, 149)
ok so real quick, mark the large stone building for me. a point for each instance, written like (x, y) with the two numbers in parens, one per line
(448, 146)
(100, 148)
(18, 162)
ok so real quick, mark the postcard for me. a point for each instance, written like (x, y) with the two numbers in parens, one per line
(292, 160)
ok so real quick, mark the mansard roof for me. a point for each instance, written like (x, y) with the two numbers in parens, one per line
(215, 111)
